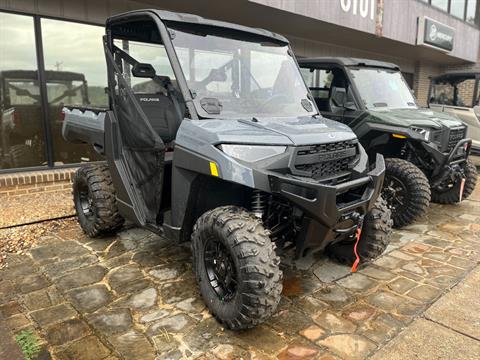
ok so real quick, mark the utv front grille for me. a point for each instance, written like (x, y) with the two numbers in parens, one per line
(328, 163)
(454, 137)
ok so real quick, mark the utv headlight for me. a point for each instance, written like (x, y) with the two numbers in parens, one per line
(251, 153)
(425, 133)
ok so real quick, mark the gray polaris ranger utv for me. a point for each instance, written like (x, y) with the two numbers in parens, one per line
(426, 152)
(211, 137)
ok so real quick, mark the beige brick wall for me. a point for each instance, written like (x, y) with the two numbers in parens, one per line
(23, 183)
(421, 83)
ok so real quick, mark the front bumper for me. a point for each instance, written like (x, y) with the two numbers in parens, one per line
(330, 210)
(447, 164)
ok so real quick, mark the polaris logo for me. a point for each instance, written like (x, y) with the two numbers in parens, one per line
(334, 155)
(149, 99)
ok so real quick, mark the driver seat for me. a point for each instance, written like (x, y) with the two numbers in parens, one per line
(338, 92)
(160, 110)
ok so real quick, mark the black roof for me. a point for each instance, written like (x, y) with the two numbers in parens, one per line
(346, 61)
(196, 20)
(457, 76)
(49, 74)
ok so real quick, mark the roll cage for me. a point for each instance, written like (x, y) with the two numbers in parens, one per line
(152, 26)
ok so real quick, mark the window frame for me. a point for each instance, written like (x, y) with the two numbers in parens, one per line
(47, 128)
(449, 9)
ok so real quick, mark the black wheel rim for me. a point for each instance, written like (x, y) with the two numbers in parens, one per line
(395, 193)
(86, 200)
(220, 270)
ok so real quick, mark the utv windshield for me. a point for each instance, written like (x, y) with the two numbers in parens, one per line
(382, 88)
(241, 75)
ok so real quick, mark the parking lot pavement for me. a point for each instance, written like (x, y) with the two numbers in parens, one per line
(134, 296)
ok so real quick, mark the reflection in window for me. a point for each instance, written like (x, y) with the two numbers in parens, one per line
(76, 75)
(473, 12)
(441, 4)
(22, 141)
(457, 8)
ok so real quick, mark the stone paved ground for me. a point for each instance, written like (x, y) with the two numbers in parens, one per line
(134, 296)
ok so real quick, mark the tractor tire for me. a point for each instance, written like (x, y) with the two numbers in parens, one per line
(236, 267)
(22, 156)
(375, 237)
(452, 195)
(406, 190)
(94, 199)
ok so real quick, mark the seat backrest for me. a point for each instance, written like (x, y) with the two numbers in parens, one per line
(323, 104)
(161, 113)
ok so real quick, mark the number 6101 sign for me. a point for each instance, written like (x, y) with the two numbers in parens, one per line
(366, 8)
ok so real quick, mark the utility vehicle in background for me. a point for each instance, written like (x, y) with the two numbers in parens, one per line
(426, 152)
(21, 125)
(458, 93)
(211, 137)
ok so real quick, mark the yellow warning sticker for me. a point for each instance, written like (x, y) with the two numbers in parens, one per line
(213, 169)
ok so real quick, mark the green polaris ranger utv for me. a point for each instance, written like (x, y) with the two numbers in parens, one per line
(426, 152)
(211, 137)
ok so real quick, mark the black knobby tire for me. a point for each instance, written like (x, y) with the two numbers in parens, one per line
(452, 195)
(94, 198)
(405, 180)
(255, 267)
(375, 237)
(22, 156)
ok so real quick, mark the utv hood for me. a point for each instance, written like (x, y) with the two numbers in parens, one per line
(421, 117)
(269, 131)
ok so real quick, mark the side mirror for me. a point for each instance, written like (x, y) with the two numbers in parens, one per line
(143, 70)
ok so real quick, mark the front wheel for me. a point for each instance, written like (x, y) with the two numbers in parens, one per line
(451, 194)
(236, 267)
(375, 237)
(406, 190)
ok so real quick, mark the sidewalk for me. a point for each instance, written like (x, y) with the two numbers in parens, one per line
(450, 328)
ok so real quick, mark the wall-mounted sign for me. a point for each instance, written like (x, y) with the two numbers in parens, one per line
(435, 34)
(364, 8)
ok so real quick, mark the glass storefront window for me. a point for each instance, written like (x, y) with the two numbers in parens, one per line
(473, 13)
(457, 8)
(22, 140)
(76, 74)
(440, 4)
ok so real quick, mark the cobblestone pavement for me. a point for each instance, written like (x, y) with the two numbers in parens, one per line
(134, 296)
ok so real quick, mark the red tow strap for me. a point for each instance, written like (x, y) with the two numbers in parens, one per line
(462, 185)
(357, 257)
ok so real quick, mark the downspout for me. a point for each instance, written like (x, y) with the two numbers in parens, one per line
(379, 19)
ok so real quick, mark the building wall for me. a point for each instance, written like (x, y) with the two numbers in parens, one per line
(400, 22)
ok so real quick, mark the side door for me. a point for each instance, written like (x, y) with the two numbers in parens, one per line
(135, 151)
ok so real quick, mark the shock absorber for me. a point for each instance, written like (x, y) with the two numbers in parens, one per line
(258, 203)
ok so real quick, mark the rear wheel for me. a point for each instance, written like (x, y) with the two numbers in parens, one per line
(375, 237)
(94, 198)
(22, 155)
(236, 267)
(451, 194)
(406, 190)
